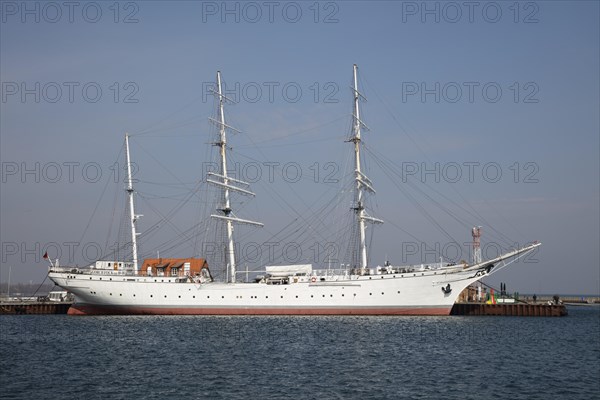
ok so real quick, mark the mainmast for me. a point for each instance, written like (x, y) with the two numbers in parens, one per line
(362, 182)
(225, 182)
(132, 215)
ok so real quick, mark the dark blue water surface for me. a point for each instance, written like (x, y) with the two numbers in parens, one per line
(170, 357)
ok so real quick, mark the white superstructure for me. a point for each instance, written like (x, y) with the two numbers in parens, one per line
(114, 287)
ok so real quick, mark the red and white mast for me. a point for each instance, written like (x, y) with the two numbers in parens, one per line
(476, 233)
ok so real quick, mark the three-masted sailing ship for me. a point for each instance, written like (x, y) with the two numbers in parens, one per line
(186, 286)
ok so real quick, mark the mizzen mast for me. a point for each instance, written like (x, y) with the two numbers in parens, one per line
(132, 215)
(362, 182)
(225, 183)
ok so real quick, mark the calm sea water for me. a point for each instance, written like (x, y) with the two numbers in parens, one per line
(57, 356)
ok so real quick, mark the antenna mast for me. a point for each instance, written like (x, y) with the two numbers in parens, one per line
(476, 233)
(225, 182)
(362, 182)
(132, 214)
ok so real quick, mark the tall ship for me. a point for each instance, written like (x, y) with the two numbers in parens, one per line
(186, 285)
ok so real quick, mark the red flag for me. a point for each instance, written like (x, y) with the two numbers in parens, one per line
(45, 255)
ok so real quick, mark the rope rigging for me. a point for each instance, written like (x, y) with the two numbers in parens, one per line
(322, 220)
(474, 213)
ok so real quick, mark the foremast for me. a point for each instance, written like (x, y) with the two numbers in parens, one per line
(362, 182)
(132, 216)
(226, 183)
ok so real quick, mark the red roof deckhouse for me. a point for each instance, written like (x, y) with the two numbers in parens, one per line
(173, 266)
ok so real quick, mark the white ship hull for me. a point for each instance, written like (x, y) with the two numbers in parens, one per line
(414, 293)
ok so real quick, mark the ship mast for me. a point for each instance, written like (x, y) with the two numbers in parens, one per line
(362, 182)
(226, 210)
(132, 215)
(226, 183)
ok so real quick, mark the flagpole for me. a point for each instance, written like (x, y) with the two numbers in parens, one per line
(48, 258)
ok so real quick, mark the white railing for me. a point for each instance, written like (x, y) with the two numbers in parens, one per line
(92, 271)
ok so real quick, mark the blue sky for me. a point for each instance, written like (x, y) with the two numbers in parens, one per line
(432, 88)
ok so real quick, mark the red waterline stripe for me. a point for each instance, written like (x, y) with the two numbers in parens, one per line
(108, 310)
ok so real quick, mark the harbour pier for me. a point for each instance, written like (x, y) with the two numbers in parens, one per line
(510, 309)
(34, 307)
